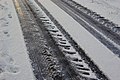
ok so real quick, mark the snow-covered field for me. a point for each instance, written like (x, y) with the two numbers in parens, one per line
(14, 60)
(100, 54)
(110, 9)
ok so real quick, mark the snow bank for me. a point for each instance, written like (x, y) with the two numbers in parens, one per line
(14, 60)
(100, 54)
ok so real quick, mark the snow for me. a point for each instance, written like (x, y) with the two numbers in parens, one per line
(108, 39)
(100, 54)
(109, 9)
(54, 31)
(14, 60)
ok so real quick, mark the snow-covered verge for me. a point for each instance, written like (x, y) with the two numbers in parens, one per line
(14, 60)
(100, 54)
(109, 9)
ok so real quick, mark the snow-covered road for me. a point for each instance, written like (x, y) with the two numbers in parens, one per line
(100, 54)
(14, 60)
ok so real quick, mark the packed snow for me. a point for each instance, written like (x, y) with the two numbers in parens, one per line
(14, 60)
(100, 54)
(110, 9)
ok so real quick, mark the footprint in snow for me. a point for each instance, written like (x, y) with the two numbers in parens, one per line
(7, 64)
(12, 68)
(9, 15)
(7, 58)
(6, 34)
